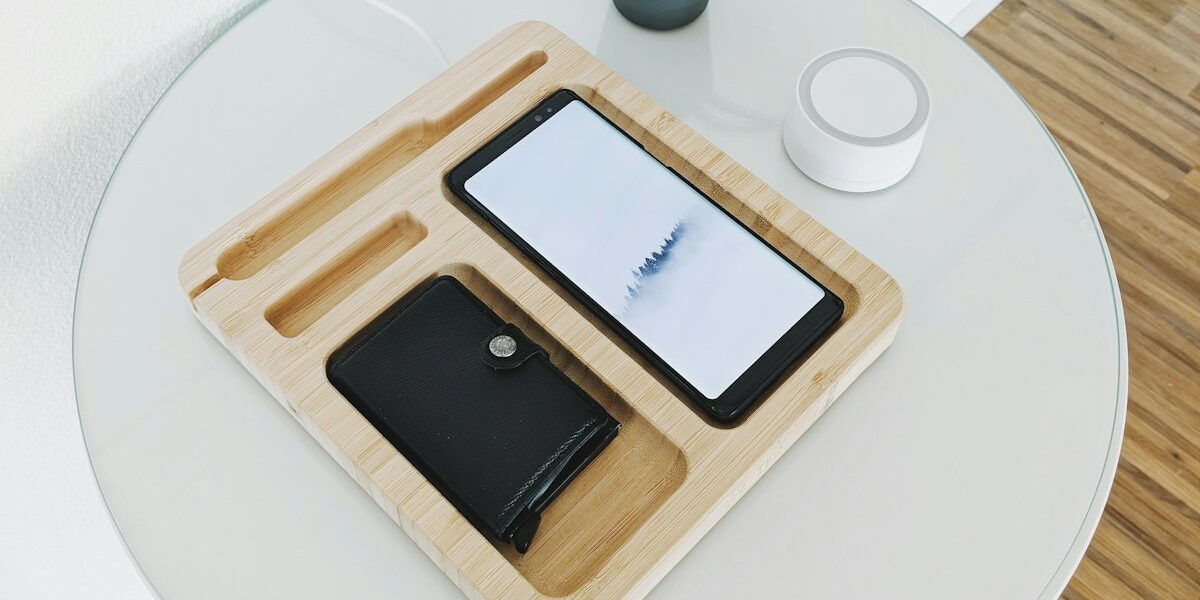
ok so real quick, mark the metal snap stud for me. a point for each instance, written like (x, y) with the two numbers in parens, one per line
(502, 346)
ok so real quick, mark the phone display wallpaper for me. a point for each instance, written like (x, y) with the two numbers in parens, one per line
(698, 289)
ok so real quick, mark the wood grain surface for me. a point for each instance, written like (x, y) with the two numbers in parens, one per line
(1117, 82)
(297, 274)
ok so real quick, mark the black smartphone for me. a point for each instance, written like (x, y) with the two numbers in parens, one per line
(710, 304)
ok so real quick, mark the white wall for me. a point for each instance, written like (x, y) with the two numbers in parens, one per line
(960, 15)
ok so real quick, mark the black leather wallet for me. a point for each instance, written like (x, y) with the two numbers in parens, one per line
(474, 404)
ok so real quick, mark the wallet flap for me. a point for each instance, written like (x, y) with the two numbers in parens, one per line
(508, 348)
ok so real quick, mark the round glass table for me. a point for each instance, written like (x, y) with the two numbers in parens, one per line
(973, 458)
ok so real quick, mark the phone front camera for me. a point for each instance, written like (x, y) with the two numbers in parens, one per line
(537, 118)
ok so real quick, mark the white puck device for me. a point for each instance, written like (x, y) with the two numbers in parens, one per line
(857, 120)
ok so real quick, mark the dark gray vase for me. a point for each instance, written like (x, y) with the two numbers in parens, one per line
(661, 14)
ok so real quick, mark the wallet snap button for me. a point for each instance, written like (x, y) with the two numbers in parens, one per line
(502, 346)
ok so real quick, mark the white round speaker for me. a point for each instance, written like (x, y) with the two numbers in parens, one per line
(858, 119)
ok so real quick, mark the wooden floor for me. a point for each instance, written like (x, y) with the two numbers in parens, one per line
(1117, 82)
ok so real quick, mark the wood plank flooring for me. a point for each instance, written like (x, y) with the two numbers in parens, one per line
(1117, 82)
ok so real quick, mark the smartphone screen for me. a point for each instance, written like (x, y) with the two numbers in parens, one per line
(694, 285)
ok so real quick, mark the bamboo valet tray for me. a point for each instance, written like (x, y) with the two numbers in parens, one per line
(293, 277)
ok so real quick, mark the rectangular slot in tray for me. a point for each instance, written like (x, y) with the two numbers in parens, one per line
(270, 240)
(303, 305)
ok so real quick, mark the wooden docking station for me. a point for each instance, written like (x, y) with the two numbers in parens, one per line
(294, 276)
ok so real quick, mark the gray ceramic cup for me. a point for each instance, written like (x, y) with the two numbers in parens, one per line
(661, 14)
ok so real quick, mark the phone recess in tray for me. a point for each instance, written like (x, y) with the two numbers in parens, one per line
(698, 295)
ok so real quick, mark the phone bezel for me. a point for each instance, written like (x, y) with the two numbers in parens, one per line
(750, 386)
